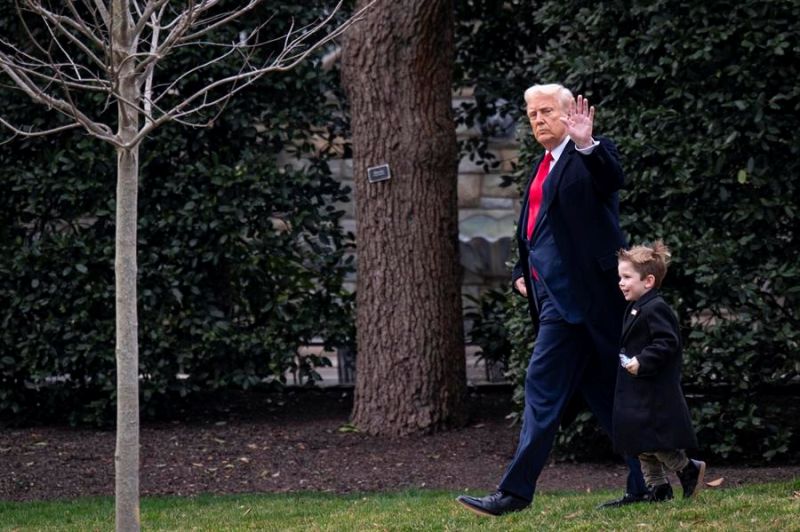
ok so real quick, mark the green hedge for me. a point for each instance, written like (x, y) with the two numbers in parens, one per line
(702, 100)
(241, 259)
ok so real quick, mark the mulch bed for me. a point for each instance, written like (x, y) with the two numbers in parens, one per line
(293, 442)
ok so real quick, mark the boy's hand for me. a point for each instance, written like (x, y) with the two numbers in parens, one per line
(633, 366)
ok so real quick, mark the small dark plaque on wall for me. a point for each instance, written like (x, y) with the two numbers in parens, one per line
(378, 173)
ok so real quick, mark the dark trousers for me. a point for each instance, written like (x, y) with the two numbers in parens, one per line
(566, 358)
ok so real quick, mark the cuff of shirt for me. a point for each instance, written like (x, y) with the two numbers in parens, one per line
(589, 149)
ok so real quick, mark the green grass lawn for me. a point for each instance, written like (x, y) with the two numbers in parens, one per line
(774, 507)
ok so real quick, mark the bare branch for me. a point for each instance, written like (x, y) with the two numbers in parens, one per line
(96, 24)
(286, 60)
(147, 14)
(70, 61)
(39, 95)
(189, 19)
(224, 20)
(82, 26)
(220, 102)
(191, 71)
(182, 23)
(185, 29)
(104, 15)
(39, 69)
(149, 71)
(23, 133)
(290, 61)
(61, 22)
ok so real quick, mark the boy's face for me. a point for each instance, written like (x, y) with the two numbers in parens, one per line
(631, 283)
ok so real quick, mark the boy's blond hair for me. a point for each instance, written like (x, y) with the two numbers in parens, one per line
(648, 260)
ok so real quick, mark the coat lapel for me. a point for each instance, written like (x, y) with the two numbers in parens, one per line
(550, 188)
(633, 311)
(551, 183)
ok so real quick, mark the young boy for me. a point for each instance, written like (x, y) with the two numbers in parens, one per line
(651, 418)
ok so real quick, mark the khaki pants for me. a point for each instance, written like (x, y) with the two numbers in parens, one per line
(655, 465)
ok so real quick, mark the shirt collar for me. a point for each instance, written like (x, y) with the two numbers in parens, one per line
(558, 150)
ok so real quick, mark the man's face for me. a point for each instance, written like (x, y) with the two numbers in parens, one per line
(544, 113)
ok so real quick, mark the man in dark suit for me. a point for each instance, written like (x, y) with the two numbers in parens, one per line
(568, 235)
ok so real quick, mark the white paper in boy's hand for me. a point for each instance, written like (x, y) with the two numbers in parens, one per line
(624, 359)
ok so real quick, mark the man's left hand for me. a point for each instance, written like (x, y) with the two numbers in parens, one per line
(579, 122)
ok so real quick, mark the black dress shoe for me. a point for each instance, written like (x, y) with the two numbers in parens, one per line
(628, 498)
(498, 503)
(691, 477)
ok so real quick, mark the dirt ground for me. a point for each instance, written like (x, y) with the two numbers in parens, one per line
(295, 442)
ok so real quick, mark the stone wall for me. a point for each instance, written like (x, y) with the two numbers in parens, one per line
(487, 211)
(487, 216)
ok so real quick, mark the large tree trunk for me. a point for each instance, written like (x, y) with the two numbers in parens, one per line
(126, 457)
(398, 73)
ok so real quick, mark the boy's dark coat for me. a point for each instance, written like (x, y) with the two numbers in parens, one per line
(650, 412)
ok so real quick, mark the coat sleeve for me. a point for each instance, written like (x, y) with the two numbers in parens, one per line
(664, 341)
(604, 167)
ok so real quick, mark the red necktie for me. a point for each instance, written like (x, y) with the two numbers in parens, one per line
(535, 194)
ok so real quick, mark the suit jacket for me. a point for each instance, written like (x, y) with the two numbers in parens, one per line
(581, 205)
(650, 412)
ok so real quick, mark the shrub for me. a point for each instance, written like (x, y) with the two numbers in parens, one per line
(487, 316)
(241, 255)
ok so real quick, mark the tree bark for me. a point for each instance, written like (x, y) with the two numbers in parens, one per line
(397, 70)
(126, 457)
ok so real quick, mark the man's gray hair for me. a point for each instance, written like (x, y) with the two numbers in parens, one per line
(562, 94)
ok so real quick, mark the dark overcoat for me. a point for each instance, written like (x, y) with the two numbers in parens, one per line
(650, 412)
(581, 205)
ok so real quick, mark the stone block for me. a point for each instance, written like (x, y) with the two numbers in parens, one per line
(350, 184)
(347, 168)
(464, 131)
(287, 159)
(469, 190)
(335, 166)
(497, 203)
(467, 292)
(467, 166)
(466, 214)
(349, 208)
(341, 169)
(485, 227)
(492, 188)
(509, 158)
(349, 224)
(512, 144)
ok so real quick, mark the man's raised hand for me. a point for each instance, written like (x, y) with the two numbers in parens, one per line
(579, 122)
